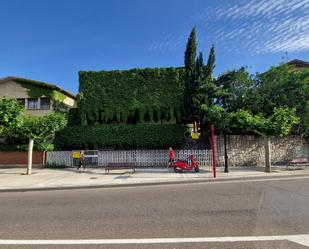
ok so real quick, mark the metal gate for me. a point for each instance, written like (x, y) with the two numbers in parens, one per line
(91, 158)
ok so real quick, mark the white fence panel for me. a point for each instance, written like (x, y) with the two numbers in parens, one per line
(60, 158)
(143, 158)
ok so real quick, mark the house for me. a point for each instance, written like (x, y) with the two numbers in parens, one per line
(37, 97)
(299, 64)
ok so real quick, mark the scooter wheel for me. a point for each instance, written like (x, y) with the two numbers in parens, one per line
(176, 170)
(197, 169)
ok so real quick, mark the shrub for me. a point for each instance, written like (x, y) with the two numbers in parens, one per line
(147, 136)
(43, 146)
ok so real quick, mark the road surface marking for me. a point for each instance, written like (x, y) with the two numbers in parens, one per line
(254, 180)
(302, 239)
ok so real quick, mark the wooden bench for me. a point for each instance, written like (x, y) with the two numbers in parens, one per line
(303, 161)
(116, 166)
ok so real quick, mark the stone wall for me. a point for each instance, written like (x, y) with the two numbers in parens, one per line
(248, 150)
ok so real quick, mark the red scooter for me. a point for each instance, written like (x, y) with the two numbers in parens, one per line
(183, 165)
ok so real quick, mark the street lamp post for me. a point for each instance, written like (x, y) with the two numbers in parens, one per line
(226, 167)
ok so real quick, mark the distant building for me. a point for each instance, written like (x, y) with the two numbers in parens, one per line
(299, 64)
(37, 97)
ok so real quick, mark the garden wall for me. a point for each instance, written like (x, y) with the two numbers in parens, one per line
(242, 151)
(20, 157)
(142, 158)
(249, 150)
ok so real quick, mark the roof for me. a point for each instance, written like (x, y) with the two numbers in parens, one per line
(38, 83)
(298, 63)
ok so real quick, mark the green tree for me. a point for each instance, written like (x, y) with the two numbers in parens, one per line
(207, 90)
(190, 78)
(210, 63)
(214, 115)
(190, 53)
(284, 86)
(279, 123)
(199, 79)
(11, 113)
(237, 90)
(39, 128)
(200, 88)
(14, 121)
(200, 66)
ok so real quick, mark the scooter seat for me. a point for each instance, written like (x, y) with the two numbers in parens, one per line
(183, 161)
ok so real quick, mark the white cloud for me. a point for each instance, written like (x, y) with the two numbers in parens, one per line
(252, 26)
(264, 26)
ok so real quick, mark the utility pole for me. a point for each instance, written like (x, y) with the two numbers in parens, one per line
(213, 145)
(226, 167)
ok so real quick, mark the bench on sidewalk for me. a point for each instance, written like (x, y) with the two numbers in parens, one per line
(303, 161)
(117, 166)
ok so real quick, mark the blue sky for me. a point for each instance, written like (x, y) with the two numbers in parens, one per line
(52, 40)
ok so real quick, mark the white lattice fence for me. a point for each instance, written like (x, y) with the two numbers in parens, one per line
(151, 158)
(106, 157)
(59, 157)
(146, 158)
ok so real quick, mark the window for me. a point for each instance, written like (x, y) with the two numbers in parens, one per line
(22, 102)
(33, 104)
(45, 103)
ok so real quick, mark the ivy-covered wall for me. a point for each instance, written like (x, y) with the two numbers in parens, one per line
(153, 95)
(36, 91)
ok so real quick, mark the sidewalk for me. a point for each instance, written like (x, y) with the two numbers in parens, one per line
(14, 179)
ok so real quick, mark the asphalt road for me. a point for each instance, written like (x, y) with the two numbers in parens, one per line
(169, 211)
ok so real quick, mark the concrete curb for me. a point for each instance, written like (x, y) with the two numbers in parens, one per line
(211, 180)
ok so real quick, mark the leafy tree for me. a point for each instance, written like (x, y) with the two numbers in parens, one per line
(237, 90)
(284, 86)
(214, 115)
(39, 128)
(11, 113)
(13, 120)
(279, 123)
(305, 118)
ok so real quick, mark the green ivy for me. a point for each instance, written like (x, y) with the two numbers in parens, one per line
(149, 136)
(130, 96)
(37, 91)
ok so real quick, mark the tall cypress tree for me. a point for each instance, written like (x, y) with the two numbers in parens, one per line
(190, 82)
(190, 53)
(199, 66)
(200, 77)
(210, 63)
(207, 89)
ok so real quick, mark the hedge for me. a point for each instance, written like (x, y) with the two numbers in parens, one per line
(141, 136)
(44, 146)
(131, 96)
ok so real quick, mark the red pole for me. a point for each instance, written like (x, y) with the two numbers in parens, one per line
(213, 146)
